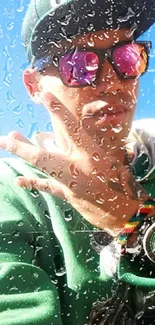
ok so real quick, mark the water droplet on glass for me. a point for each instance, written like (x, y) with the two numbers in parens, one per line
(73, 170)
(117, 129)
(49, 127)
(10, 26)
(101, 177)
(94, 171)
(61, 272)
(20, 223)
(36, 275)
(98, 198)
(68, 215)
(104, 129)
(34, 193)
(90, 27)
(17, 109)
(88, 192)
(60, 174)
(33, 128)
(113, 199)
(73, 185)
(1, 32)
(130, 13)
(20, 123)
(30, 109)
(20, 9)
(53, 174)
(96, 156)
(91, 13)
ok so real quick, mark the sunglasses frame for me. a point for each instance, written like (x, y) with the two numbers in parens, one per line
(103, 55)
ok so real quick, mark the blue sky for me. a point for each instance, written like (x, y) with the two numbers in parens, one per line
(17, 112)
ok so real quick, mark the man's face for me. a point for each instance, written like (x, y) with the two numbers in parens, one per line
(105, 109)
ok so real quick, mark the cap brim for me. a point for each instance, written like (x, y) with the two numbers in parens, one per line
(83, 16)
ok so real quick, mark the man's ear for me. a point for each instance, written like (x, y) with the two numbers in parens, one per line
(31, 81)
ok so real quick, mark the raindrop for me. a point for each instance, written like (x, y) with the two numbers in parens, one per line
(11, 278)
(96, 156)
(49, 127)
(1, 112)
(20, 123)
(60, 174)
(12, 44)
(88, 192)
(54, 281)
(99, 199)
(34, 193)
(30, 109)
(18, 108)
(10, 13)
(10, 98)
(21, 8)
(117, 129)
(20, 223)
(94, 171)
(109, 21)
(73, 185)
(101, 177)
(14, 289)
(90, 27)
(47, 215)
(33, 127)
(10, 26)
(91, 13)
(61, 272)
(6, 52)
(73, 170)
(113, 199)
(68, 215)
(114, 180)
(23, 66)
(1, 32)
(129, 14)
(36, 275)
(53, 174)
(104, 129)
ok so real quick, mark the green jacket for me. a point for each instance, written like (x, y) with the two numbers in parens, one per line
(50, 274)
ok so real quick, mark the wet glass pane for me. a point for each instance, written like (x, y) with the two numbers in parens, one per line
(77, 212)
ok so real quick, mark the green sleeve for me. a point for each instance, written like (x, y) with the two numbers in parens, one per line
(27, 294)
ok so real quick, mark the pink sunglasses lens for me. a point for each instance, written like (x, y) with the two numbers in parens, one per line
(79, 68)
(130, 59)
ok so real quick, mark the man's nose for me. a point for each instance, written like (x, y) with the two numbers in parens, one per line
(108, 80)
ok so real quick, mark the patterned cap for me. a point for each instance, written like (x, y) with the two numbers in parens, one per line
(48, 21)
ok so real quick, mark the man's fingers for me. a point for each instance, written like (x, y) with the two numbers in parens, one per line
(18, 136)
(46, 161)
(25, 150)
(45, 185)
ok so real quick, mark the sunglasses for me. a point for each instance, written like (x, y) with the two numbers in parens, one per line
(81, 67)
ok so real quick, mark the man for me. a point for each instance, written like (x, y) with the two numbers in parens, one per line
(85, 254)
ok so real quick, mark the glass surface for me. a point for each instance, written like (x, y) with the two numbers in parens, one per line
(17, 112)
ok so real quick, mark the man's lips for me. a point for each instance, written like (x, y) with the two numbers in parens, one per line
(100, 108)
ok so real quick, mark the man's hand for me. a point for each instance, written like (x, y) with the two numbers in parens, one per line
(97, 185)
(85, 174)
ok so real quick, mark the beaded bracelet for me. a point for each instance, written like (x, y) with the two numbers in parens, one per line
(134, 222)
